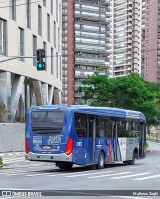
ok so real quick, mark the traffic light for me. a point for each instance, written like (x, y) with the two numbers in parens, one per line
(41, 59)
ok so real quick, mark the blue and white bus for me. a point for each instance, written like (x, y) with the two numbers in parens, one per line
(84, 135)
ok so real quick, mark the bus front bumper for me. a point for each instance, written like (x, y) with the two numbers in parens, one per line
(49, 157)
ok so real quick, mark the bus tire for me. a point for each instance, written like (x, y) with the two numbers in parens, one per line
(131, 162)
(101, 160)
(66, 166)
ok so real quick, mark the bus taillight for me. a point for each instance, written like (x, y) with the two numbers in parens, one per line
(69, 146)
(26, 146)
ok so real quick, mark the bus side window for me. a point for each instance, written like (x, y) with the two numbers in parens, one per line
(100, 127)
(81, 124)
(136, 129)
(121, 128)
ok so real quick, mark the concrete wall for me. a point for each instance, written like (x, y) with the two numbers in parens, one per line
(12, 137)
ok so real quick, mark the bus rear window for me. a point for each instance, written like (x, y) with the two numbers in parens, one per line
(47, 121)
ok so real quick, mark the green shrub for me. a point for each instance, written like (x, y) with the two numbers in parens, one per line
(1, 160)
(146, 144)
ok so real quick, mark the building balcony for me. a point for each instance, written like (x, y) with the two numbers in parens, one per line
(88, 8)
(89, 62)
(87, 48)
(90, 35)
(90, 42)
(89, 29)
(90, 16)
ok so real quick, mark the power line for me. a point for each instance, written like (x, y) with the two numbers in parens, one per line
(21, 4)
(154, 49)
(47, 56)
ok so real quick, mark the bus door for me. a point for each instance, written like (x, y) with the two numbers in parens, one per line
(91, 138)
(113, 140)
(84, 146)
(141, 139)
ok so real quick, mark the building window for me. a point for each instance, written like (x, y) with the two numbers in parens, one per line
(44, 3)
(58, 39)
(21, 44)
(48, 27)
(57, 65)
(60, 15)
(13, 9)
(3, 37)
(28, 13)
(52, 7)
(54, 34)
(39, 20)
(52, 69)
(45, 48)
(34, 49)
(60, 68)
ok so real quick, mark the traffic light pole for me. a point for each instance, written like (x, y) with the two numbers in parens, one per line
(40, 56)
(17, 57)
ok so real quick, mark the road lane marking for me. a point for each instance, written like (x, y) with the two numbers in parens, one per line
(12, 154)
(71, 176)
(109, 175)
(13, 158)
(79, 173)
(128, 197)
(135, 167)
(149, 177)
(132, 175)
(51, 173)
(11, 197)
(6, 161)
(12, 172)
(64, 174)
(13, 161)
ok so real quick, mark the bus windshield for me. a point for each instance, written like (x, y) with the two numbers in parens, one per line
(47, 121)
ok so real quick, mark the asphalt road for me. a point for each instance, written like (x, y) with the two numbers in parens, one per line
(142, 178)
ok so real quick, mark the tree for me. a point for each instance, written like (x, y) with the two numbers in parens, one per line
(130, 92)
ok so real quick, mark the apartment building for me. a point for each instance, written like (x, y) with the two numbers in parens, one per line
(126, 37)
(26, 26)
(152, 41)
(85, 44)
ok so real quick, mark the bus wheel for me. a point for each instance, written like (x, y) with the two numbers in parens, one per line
(66, 166)
(131, 162)
(101, 161)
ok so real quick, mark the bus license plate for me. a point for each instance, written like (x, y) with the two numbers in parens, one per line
(47, 147)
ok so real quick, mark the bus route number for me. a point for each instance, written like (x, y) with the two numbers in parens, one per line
(78, 143)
